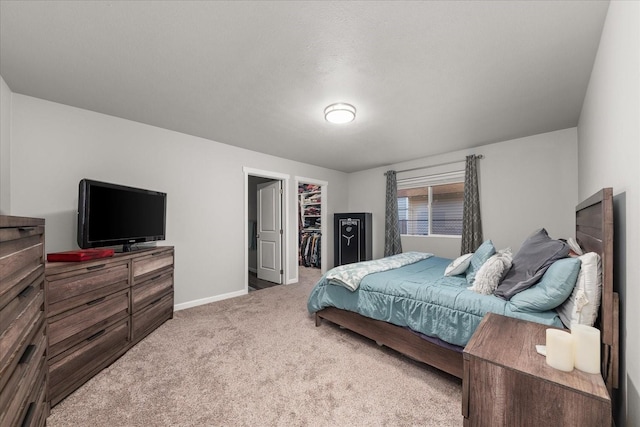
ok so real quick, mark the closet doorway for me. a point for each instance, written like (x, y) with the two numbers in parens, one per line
(312, 226)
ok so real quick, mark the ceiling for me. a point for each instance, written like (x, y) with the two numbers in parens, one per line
(426, 77)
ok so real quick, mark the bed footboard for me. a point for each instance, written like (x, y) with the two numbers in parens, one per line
(396, 338)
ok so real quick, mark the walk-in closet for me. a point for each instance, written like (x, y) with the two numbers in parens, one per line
(310, 236)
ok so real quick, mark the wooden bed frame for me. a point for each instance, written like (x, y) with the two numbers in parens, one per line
(594, 233)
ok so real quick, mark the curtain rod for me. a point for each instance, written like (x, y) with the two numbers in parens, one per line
(478, 156)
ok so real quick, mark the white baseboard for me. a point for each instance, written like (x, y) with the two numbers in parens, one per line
(202, 301)
(253, 270)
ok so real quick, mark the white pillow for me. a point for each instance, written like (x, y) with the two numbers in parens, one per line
(491, 272)
(584, 302)
(458, 265)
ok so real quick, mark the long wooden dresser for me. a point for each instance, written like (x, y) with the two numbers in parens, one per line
(99, 309)
(23, 329)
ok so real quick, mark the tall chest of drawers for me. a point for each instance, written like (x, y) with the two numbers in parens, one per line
(23, 328)
(99, 309)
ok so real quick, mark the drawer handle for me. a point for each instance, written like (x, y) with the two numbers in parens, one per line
(26, 228)
(28, 353)
(97, 300)
(155, 301)
(156, 277)
(96, 335)
(26, 291)
(96, 267)
(26, 421)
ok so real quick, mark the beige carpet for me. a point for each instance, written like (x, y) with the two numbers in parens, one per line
(258, 360)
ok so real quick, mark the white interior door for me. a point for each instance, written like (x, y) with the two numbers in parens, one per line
(270, 231)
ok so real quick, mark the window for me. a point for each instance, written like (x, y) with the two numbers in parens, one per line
(431, 205)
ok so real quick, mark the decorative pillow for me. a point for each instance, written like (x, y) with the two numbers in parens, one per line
(537, 253)
(552, 290)
(489, 275)
(480, 256)
(584, 302)
(458, 265)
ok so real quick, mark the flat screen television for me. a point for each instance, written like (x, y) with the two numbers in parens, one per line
(112, 214)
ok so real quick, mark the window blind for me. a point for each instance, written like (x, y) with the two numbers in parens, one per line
(430, 180)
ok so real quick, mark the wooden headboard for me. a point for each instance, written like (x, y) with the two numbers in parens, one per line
(594, 233)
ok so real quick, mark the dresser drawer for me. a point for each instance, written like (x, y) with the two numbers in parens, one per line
(80, 286)
(151, 317)
(16, 283)
(28, 355)
(16, 402)
(23, 326)
(20, 259)
(15, 306)
(37, 410)
(71, 369)
(151, 263)
(151, 289)
(80, 323)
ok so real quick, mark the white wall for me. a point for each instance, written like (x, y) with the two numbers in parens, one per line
(54, 146)
(525, 184)
(609, 156)
(5, 148)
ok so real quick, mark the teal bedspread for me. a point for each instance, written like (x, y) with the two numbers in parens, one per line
(419, 297)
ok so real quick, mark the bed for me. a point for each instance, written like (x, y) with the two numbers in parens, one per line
(439, 342)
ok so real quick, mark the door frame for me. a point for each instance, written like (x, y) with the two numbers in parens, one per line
(323, 220)
(284, 178)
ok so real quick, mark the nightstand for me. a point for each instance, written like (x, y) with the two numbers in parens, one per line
(507, 383)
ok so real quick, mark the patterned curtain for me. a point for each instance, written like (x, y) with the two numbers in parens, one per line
(471, 222)
(392, 243)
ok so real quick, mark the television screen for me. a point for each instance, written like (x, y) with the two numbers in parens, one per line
(111, 214)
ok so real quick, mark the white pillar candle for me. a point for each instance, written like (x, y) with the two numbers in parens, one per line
(560, 350)
(587, 348)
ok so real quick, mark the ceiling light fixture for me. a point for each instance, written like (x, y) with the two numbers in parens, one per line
(340, 113)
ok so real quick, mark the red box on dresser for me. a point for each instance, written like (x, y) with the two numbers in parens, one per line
(79, 255)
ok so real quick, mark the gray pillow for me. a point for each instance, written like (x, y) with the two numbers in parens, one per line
(537, 253)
